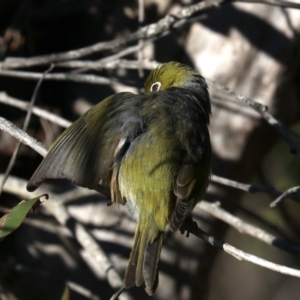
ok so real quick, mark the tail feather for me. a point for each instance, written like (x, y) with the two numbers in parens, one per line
(143, 261)
(151, 261)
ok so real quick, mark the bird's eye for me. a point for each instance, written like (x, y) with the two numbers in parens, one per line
(155, 87)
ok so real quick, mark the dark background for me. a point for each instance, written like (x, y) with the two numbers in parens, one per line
(253, 49)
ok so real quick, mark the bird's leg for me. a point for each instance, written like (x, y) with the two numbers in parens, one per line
(189, 225)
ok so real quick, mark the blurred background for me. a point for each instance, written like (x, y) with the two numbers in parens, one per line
(252, 48)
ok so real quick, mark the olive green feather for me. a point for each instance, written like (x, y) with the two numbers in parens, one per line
(150, 152)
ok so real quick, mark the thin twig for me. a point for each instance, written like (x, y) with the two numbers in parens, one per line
(154, 30)
(17, 187)
(22, 136)
(237, 253)
(241, 255)
(264, 222)
(93, 79)
(280, 3)
(23, 105)
(245, 228)
(109, 64)
(86, 78)
(117, 294)
(101, 63)
(245, 187)
(289, 22)
(252, 188)
(25, 126)
(141, 19)
(227, 248)
(14, 131)
(55, 206)
(294, 191)
(263, 110)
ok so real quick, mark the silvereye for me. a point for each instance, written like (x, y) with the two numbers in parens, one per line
(150, 152)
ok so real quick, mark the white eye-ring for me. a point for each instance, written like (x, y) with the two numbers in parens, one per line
(155, 86)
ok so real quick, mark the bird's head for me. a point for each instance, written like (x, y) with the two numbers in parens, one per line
(176, 75)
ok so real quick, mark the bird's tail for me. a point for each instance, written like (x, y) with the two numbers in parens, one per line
(143, 261)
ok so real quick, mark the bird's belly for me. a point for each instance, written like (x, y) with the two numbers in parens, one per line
(146, 178)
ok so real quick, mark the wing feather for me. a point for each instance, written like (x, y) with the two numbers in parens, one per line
(85, 152)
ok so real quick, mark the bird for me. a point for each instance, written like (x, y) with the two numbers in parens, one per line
(150, 152)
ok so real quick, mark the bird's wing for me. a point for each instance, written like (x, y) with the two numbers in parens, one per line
(85, 153)
(190, 187)
(183, 190)
(193, 173)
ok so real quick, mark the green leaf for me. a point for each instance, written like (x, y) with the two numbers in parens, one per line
(66, 294)
(13, 219)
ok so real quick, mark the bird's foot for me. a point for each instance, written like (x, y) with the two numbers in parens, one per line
(189, 225)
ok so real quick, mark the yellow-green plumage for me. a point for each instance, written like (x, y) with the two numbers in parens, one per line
(150, 152)
(149, 195)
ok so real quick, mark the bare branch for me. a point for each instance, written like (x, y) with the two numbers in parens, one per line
(229, 249)
(6, 99)
(245, 228)
(25, 126)
(81, 290)
(149, 31)
(101, 63)
(91, 79)
(80, 232)
(17, 187)
(22, 136)
(241, 255)
(109, 64)
(117, 294)
(55, 206)
(263, 110)
(280, 3)
(141, 19)
(294, 191)
(291, 193)
(191, 227)
(245, 187)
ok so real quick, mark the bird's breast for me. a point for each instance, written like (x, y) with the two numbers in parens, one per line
(147, 174)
